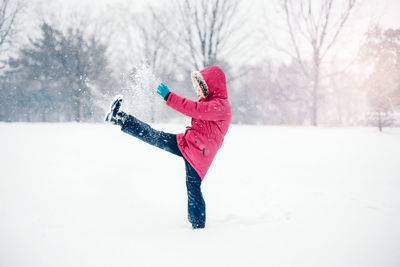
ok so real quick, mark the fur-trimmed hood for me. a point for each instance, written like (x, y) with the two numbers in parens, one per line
(212, 82)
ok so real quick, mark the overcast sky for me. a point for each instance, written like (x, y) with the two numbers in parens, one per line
(386, 11)
(261, 18)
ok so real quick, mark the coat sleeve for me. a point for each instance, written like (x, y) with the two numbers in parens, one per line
(213, 110)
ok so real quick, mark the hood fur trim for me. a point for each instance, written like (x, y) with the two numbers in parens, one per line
(197, 78)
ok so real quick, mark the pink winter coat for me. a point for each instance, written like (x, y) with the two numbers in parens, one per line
(211, 117)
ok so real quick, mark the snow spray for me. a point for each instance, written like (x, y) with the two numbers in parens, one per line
(139, 90)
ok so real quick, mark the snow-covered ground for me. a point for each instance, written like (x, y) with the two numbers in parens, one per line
(90, 195)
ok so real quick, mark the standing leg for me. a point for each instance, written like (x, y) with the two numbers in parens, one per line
(196, 204)
(144, 132)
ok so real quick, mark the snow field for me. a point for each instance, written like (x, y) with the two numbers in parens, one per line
(90, 195)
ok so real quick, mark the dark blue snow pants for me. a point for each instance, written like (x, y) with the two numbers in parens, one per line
(167, 141)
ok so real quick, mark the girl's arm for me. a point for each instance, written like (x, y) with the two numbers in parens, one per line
(213, 110)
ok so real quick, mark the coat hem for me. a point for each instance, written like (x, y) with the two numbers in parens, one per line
(189, 160)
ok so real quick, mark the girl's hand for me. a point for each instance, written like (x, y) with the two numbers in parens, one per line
(163, 90)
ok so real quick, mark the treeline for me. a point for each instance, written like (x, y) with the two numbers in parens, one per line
(69, 71)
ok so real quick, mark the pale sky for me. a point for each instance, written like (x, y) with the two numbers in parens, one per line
(386, 11)
(261, 18)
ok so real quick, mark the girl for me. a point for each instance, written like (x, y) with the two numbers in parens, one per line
(198, 145)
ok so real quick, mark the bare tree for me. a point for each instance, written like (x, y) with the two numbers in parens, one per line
(201, 32)
(208, 28)
(150, 41)
(9, 11)
(314, 27)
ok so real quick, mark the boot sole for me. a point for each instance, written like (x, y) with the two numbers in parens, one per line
(117, 99)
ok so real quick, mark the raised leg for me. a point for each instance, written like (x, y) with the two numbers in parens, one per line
(146, 133)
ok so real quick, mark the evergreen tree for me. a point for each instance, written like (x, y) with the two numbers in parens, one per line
(57, 75)
(382, 49)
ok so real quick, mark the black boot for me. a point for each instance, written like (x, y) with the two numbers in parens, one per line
(114, 115)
